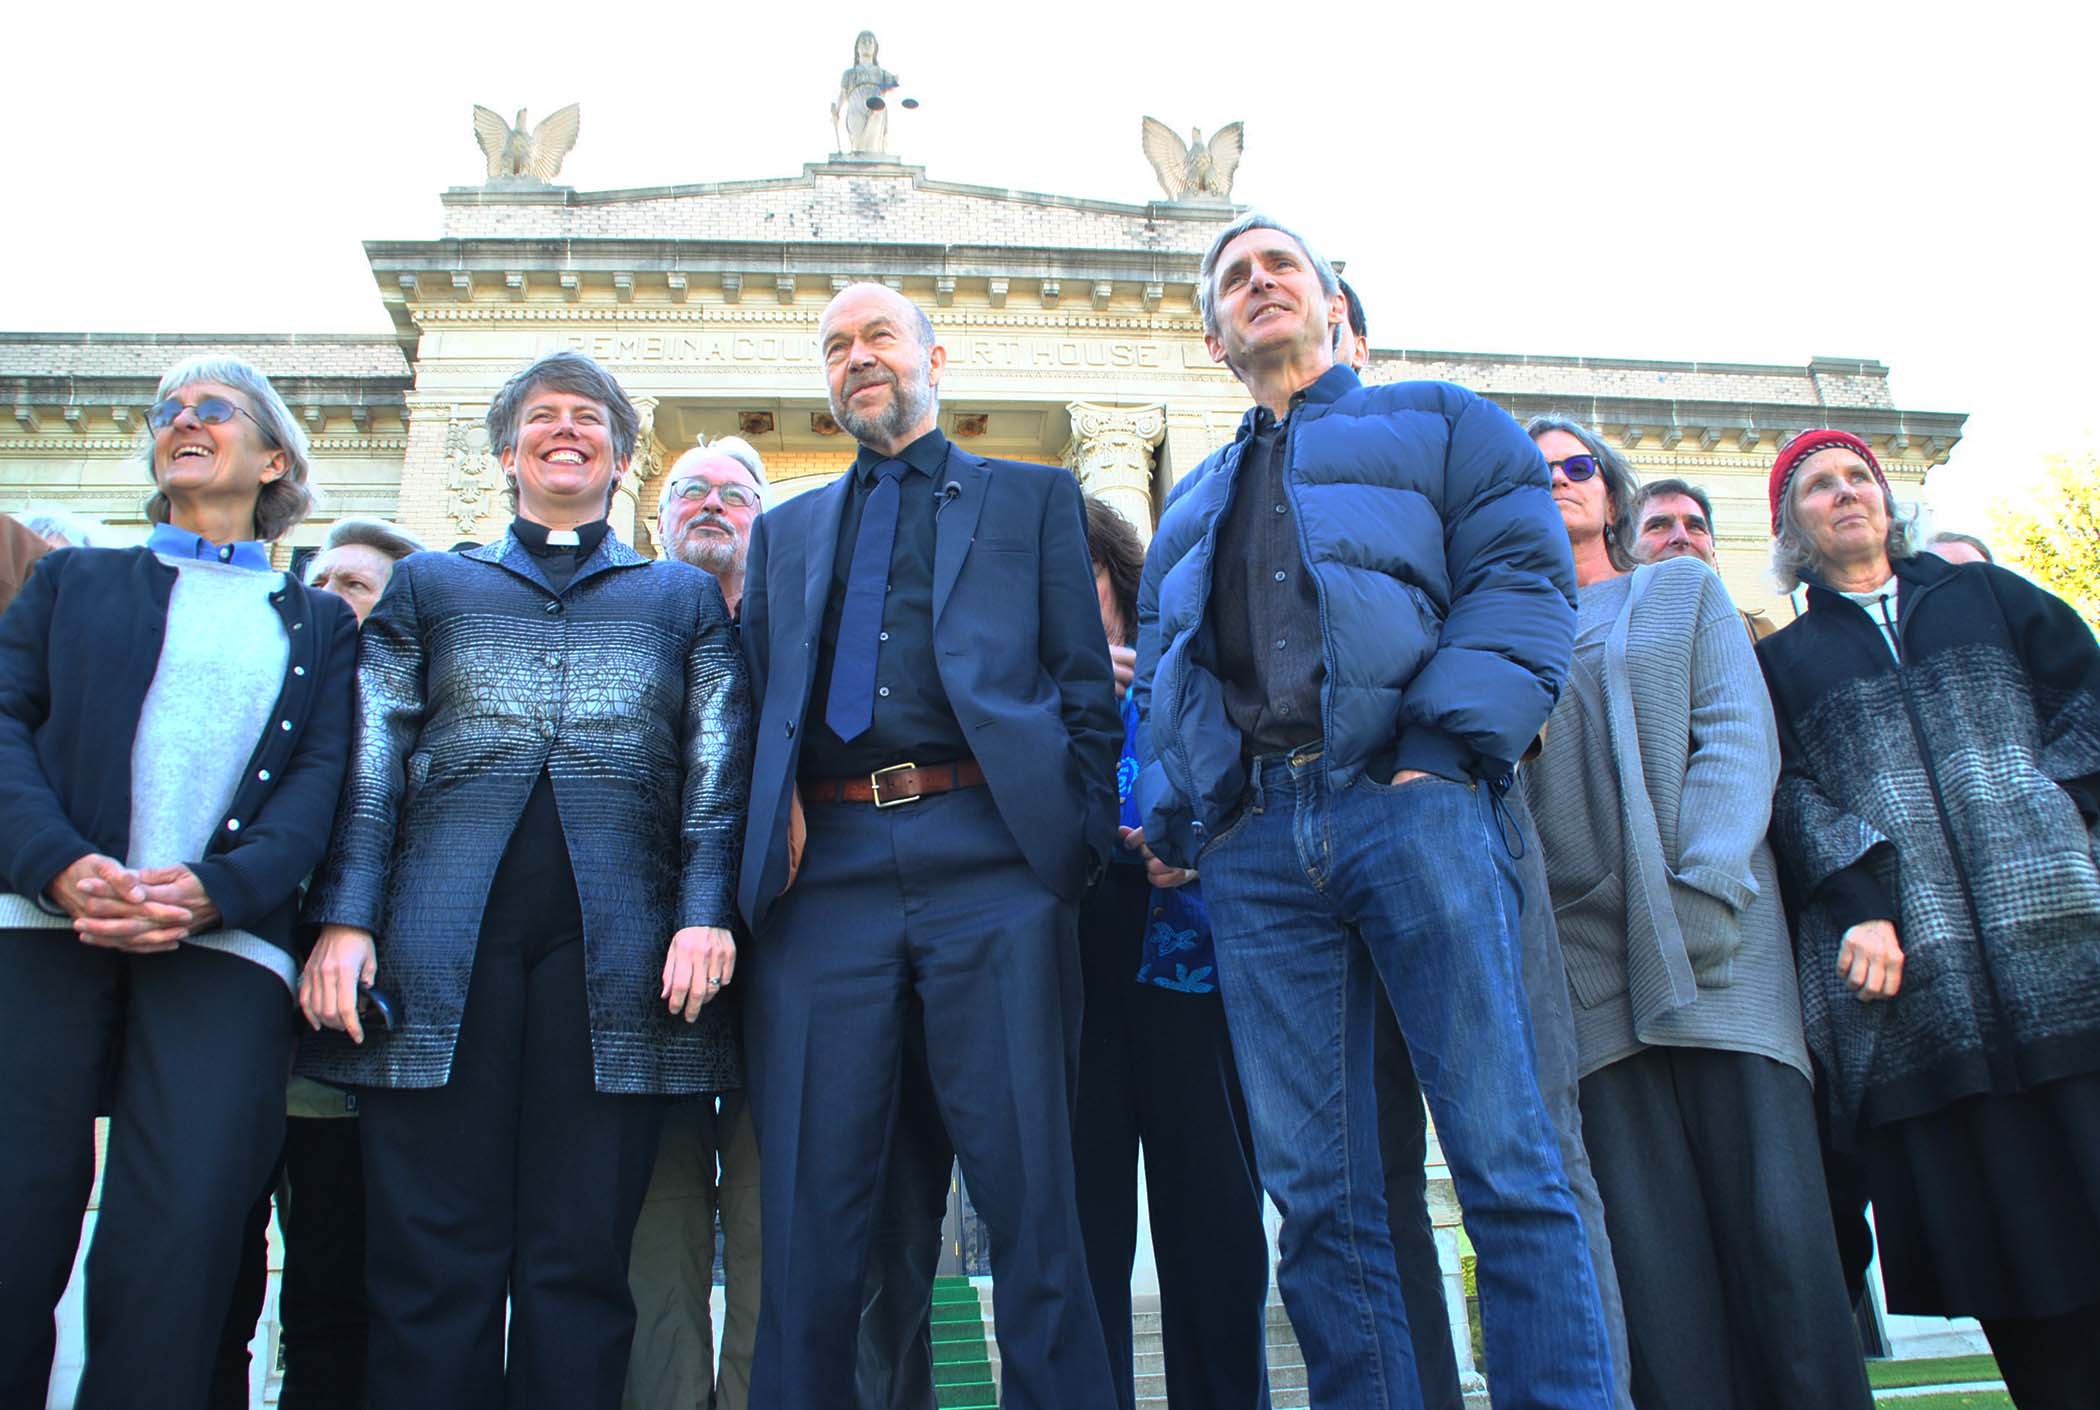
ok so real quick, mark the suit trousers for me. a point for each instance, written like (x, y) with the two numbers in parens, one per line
(190, 1049)
(1156, 1074)
(516, 1178)
(893, 1367)
(932, 898)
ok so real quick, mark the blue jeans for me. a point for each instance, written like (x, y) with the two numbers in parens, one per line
(1316, 895)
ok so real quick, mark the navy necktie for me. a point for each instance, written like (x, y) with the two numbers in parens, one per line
(850, 708)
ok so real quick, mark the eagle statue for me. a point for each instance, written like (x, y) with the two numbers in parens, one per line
(1194, 170)
(521, 152)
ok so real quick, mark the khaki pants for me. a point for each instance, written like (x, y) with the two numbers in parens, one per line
(671, 1270)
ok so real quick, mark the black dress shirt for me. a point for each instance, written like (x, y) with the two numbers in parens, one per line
(1264, 606)
(535, 882)
(913, 722)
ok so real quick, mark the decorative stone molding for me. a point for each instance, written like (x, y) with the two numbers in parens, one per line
(1111, 451)
(473, 479)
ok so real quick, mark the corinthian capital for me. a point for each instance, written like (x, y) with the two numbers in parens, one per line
(1111, 452)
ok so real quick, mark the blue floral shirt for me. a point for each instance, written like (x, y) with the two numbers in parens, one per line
(1178, 951)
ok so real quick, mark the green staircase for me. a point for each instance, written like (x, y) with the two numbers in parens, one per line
(962, 1369)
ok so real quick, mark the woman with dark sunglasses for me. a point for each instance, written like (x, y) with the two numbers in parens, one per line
(174, 721)
(1652, 794)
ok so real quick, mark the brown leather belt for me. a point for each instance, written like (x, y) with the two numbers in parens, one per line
(899, 783)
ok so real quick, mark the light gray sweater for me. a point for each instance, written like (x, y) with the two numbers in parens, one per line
(221, 667)
(1653, 794)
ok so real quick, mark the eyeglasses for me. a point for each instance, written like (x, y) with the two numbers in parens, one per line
(212, 411)
(735, 496)
(1576, 467)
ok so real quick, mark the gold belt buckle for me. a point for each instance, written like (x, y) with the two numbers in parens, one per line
(875, 787)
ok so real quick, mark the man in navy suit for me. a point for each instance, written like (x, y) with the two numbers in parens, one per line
(933, 791)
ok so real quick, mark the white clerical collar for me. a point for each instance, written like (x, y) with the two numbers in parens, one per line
(563, 538)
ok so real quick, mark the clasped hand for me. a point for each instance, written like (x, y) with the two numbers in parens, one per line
(144, 912)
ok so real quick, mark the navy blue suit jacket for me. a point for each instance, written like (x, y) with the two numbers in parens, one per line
(1018, 643)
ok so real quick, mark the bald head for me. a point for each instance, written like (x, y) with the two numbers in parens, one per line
(882, 366)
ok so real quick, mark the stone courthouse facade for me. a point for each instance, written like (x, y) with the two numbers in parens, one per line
(1071, 328)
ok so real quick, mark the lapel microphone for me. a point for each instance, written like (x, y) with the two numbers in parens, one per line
(950, 492)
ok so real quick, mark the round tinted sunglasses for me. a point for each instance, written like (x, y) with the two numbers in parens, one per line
(735, 496)
(1576, 467)
(212, 411)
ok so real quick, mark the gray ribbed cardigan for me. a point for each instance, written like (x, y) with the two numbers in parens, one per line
(1665, 891)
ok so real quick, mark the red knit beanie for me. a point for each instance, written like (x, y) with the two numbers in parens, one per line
(1801, 448)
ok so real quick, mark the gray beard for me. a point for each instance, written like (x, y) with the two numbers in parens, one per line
(908, 406)
(712, 555)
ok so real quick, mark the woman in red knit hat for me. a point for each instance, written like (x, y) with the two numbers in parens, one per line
(1940, 781)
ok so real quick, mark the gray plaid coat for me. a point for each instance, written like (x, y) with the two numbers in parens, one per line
(1953, 793)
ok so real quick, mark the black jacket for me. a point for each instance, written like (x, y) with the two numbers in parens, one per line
(476, 675)
(1018, 644)
(78, 650)
(1950, 793)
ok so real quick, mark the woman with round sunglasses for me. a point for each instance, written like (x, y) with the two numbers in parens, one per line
(1652, 794)
(174, 721)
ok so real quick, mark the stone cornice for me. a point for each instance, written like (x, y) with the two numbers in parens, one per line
(812, 172)
(801, 316)
(69, 443)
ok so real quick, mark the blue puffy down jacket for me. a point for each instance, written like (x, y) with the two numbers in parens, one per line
(1446, 590)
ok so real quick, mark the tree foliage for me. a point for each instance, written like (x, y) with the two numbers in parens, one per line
(2056, 540)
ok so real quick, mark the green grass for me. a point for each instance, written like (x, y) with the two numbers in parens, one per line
(1967, 1400)
(1931, 1371)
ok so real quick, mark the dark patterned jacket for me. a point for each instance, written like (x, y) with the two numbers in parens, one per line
(1954, 795)
(473, 676)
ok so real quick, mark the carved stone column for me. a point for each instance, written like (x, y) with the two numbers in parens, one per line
(631, 504)
(1111, 452)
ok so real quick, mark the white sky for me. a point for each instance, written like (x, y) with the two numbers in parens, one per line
(1747, 183)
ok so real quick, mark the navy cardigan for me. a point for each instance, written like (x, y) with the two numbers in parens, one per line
(78, 650)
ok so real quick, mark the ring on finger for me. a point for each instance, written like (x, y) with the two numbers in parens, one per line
(714, 981)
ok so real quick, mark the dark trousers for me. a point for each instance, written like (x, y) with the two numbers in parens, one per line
(1713, 1188)
(935, 899)
(1156, 1070)
(2049, 1363)
(321, 1300)
(518, 1178)
(893, 1365)
(320, 1194)
(191, 1049)
(251, 1286)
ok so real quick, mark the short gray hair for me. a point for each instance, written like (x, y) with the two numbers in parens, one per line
(1207, 272)
(1655, 489)
(285, 500)
(565, 370)
(1794, 559)
(1622, 490)
(729, 448)
(390, 539)
(78, 530)
(1954, 536)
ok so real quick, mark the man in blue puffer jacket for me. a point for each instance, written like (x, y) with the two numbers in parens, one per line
(1354, 620)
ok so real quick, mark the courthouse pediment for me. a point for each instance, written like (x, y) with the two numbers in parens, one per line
(857, 202)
